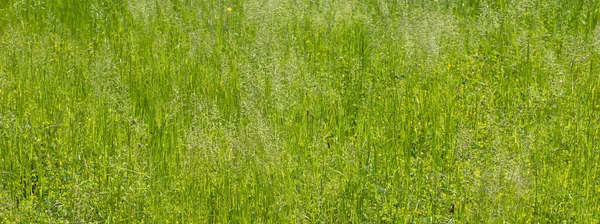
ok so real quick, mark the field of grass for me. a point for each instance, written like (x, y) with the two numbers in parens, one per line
(299, 111)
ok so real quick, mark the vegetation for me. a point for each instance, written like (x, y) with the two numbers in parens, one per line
(205, 111)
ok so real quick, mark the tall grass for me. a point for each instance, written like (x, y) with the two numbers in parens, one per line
(299, 111)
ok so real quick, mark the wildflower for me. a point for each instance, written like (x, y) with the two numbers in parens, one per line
(228, 9)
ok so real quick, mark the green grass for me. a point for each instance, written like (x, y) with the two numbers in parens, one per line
(300, 111)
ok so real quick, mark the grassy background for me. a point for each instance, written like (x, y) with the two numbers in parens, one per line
(300, 111)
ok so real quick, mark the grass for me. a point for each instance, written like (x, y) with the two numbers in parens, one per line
(299, 111)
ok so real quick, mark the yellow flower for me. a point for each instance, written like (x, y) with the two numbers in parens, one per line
(229, 9)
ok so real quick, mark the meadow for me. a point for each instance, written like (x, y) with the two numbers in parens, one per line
(299, 111)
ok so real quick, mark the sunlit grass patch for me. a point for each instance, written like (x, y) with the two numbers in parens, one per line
(299, 111)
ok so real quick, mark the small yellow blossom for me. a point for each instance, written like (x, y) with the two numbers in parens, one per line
(229, 9)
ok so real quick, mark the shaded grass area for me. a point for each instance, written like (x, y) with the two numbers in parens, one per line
(299, 111)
